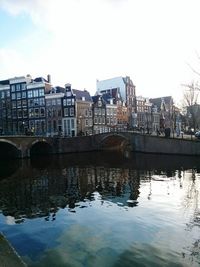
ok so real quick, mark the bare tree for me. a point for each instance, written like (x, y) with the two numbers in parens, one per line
(191, 93)
(190, 103)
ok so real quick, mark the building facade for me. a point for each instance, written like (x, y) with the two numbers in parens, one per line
(69, 112)
(83, 112)
(54, 111)
(23, 106)
(99, 115)
(126, 88)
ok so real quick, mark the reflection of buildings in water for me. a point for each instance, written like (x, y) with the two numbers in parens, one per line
(41, 192)
(190, 183)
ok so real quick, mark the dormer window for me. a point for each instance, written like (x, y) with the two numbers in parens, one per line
(99, 103)
(69, 93)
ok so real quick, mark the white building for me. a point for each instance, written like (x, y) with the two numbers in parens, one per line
(125, 87)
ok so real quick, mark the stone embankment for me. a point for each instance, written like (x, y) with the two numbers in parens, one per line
(8, 255)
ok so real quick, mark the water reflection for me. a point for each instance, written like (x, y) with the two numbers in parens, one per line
(42, 186)
(151, 204)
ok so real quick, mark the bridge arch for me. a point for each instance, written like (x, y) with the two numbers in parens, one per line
(40, 147)
(8, 149)
(114, 142)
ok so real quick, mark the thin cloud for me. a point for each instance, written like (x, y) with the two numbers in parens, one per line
(147, 40)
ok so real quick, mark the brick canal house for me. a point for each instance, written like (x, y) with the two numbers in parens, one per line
(34, 106)
(23, 106)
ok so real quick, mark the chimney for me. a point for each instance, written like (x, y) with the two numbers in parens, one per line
(49, 78)
(68, 87)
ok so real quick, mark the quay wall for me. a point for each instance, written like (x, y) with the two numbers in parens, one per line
(22, 147)
(161, 145)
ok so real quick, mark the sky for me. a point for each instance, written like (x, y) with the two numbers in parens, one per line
(79, 41)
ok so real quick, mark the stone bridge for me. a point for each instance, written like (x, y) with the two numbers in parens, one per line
(27, 146)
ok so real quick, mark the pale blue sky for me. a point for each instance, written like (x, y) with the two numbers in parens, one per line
(79, 41)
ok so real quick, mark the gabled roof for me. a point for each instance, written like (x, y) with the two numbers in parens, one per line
(107, 97)
(40, 79)
(4, 82)
(59, 89)
(80, 95)
(159, 101)
(96, 98)
(56, 89)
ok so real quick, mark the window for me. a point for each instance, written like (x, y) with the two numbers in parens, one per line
(19, 103)
(99, 103)
(36, 102)
(14, 113)
(13, 96)
(49, 113)
(19, 95)
(25, 113)
(12, 88)
(30, 102)
(72, 124)
(54, 112)
(72, 101)
(71, 111)
(41, 101)
(35, 93)
(53, 102)
(64, 102)
(31, 112)
(19, 113)
(23, 86)
(30, 94)
(69, 93)
(66, 112)
(59, 101)
(18, 87)
(48, 103)
(36, 110)
(69, 102)
(14, 104)
(42, 112)
(23, 94)
(41, 92)
(3, 104)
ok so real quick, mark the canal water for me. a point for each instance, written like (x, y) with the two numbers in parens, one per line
(102, 209)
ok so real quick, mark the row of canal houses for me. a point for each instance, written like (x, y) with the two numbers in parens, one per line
(35, 106)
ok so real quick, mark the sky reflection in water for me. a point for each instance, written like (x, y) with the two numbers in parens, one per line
(100, 210)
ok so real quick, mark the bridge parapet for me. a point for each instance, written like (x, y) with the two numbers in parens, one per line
(23, 145)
